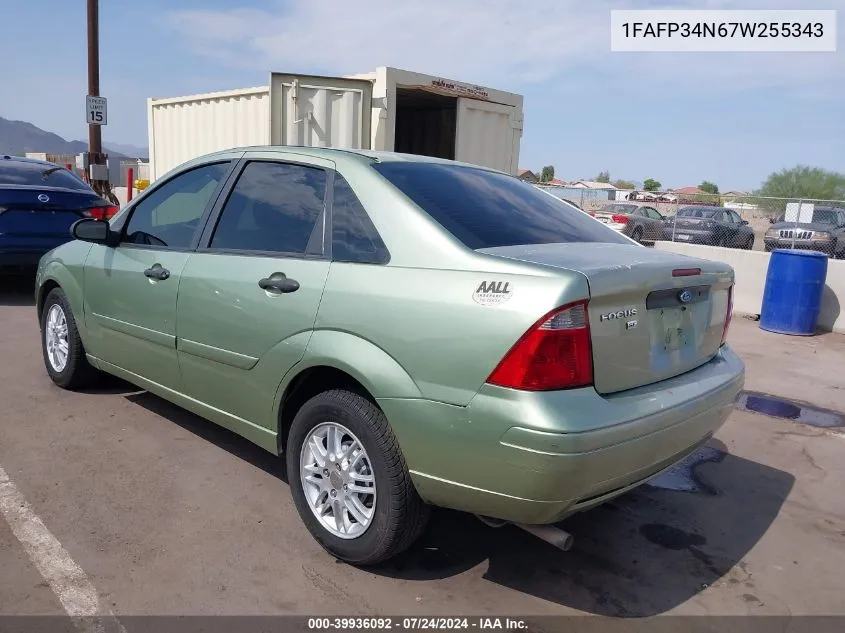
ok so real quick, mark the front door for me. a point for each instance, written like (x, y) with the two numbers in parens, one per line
(130, 289)
(249, 296)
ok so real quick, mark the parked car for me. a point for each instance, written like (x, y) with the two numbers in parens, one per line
(824, 233)
(407, 331)
(715, 226)
(641, 224)
(39, 201)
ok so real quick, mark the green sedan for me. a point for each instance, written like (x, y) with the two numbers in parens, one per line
(406, 331)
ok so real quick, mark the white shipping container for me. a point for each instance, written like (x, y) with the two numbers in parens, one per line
(388, 109)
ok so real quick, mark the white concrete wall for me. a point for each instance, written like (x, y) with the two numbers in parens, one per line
(751, 267)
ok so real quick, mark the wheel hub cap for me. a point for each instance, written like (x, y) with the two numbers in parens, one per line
(55, 338)
(338, 481)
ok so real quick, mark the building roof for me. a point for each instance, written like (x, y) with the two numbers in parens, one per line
(688, 190)
(591, 184)
(521, 172)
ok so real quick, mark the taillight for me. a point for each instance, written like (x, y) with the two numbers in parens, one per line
(620, 219)
(554, 354)
(729, 314)
(592, 213)
(102, 213)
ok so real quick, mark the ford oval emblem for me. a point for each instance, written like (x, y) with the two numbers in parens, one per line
(685, 296)
(43, 197)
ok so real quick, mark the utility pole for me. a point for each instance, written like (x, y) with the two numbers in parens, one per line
(95, 138)
(97, 170)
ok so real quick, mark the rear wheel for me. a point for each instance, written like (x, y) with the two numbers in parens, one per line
(637, 235)
(349, 480)
(64, 354)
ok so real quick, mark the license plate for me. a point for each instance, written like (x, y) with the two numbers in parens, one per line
(605, 220)
(675, 339)
(682, 237)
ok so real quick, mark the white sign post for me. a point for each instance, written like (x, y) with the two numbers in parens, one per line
(95, 110)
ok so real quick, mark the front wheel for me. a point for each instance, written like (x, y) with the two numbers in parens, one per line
(749, 243)
(637, 235)
(349, 480)
(61, 345)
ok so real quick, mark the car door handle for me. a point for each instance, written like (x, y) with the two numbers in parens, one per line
(157, 272)
(279, 284)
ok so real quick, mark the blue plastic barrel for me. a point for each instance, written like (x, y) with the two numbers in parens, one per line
(792, 298)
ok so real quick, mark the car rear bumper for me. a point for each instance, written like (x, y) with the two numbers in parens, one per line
(536, 457)
(690, 236)
(20, 259)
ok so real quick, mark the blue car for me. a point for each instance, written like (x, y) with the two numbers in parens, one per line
(39, 201)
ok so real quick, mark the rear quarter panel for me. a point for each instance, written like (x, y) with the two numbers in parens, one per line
(429, 323)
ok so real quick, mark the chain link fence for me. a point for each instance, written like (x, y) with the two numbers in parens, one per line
(729, 221)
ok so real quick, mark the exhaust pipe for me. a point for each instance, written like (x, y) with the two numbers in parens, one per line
(552, 535)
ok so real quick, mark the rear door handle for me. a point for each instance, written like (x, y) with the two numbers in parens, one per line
(157, 272)
(279, 284)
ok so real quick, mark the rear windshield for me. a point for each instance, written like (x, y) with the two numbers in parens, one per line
(692, 212)
(13, 172)
(620, 208)
(485, 209)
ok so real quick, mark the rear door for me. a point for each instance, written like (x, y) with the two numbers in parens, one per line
(317, 111)
(248, 297)
(488, 134)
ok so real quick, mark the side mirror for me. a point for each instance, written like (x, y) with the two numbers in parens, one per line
(744, 222)
(771, 220)
(91, 230)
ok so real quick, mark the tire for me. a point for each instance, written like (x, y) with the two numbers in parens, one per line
(76, 372)
(749, 244)
(637, 235)
(397, 513)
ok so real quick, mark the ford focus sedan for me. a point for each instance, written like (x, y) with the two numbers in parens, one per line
(406, 331)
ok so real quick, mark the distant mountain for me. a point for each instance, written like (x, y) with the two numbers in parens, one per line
(19, 137)
(132, 151)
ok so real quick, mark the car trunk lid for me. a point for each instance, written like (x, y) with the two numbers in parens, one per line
(652, 314)
(47, 212)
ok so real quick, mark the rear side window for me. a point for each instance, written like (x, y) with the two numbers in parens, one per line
(14, 172)
(274, 208)
(354, 238)
(485, 209)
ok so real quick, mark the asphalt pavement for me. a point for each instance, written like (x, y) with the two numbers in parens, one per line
(164, 513)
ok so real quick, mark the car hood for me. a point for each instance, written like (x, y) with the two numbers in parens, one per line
(809, 226)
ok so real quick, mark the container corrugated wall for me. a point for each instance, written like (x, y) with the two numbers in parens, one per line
(185, 128)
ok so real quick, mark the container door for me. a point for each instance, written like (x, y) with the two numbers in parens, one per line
(316, 111)
(488, 134)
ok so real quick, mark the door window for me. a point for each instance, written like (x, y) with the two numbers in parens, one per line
(169, 215)
(653, 213)
(734, 217)
(273, 208)
(354, 238)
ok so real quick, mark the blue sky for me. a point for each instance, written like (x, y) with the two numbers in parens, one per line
(679, 118)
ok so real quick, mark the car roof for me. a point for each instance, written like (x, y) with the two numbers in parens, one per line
(22, 159)
(702, 207)
(363, 155)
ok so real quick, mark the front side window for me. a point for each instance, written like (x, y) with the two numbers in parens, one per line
(273, 208)
(354, 238)
(168, 216)
(485, 209)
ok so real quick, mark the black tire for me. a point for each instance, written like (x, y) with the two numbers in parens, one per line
(399, 516)
(749, 244)
(637, 235)
(77, 372)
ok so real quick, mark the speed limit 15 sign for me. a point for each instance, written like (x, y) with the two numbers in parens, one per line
(95, 110)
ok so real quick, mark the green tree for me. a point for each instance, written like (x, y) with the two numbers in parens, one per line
(547, 174)
(604, 176)
(650, 184)
(624, 184)
(708, 187)
(804, 182)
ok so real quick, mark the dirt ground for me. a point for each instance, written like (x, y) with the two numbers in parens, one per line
(167, 514)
